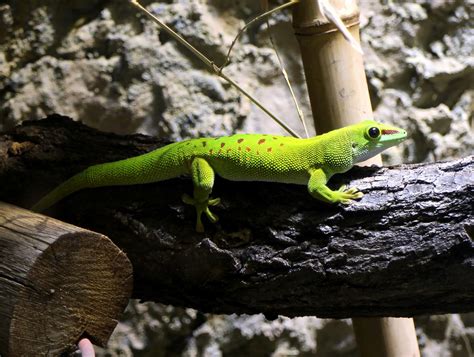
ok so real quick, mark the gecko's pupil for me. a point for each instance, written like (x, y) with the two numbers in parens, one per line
(374, 132)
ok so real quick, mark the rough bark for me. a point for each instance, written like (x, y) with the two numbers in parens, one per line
(58, 283)
(404, 249)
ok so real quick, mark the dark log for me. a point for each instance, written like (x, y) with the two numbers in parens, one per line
(404, 249)
(58, 283)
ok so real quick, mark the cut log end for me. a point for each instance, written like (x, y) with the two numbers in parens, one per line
(75, 284)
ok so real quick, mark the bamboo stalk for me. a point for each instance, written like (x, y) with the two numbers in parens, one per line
(334, 70)
(339, 96)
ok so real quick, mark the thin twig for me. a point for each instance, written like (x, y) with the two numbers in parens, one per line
(287, 79)
(212, 66)
(247, 25)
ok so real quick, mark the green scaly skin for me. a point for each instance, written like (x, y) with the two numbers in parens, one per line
(244, 157)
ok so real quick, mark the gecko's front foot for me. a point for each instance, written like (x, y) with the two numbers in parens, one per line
(345, 195)
(202, 207)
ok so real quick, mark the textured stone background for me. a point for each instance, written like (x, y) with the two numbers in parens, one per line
(100, 62)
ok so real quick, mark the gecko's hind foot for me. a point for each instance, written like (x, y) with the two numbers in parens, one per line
(202, 207)
(347, 195)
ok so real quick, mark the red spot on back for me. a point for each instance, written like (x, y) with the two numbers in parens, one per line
(240, 140)
(269, 149)
(248, 149)
(222, 145)
(261, 141)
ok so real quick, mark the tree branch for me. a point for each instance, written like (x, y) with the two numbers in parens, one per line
(404, 249)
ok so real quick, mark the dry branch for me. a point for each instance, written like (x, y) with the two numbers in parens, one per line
(58, 283)
(403, 250)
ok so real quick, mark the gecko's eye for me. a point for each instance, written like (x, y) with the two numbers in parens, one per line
(373, 132)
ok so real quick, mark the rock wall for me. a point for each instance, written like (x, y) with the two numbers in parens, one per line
(104, 64)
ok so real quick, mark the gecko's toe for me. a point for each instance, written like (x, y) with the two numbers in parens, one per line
(348, 195)
(212, 217)
(352, 193)
(351, 190)
(214, 201)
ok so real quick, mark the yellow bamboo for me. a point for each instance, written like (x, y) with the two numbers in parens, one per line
(339, 96)
(334, 70)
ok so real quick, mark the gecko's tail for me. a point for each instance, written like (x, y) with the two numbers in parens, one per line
(150, 167)
(75, 183)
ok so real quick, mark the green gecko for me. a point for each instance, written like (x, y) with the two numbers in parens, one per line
(244, 157)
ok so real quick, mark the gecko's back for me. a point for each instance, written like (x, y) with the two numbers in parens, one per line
(251, 157)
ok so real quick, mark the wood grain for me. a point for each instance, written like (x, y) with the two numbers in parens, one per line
(58, 283)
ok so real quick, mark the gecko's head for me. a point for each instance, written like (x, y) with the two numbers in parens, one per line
(370, 138)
